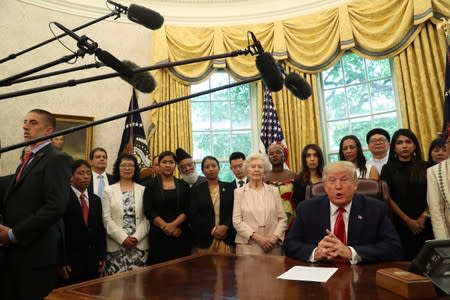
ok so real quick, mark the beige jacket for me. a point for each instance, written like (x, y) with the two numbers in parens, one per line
(244, 218)
(113, 217)
(438, 197)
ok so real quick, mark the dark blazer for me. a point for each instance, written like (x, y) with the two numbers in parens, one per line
(202, 213)
(370, 231)
(90, 188)
(234, 184)
(85, 246)
(33, 208)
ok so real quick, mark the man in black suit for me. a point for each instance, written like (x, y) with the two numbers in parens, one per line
(32, 209)
(236, 160)
(98, 159)
(85, 237)
(361, 230)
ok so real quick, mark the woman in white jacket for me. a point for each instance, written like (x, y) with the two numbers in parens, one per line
(123, 216)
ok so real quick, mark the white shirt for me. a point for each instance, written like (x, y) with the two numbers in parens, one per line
(78, 193)
(378, 163)
(243, 179)
(95, 181)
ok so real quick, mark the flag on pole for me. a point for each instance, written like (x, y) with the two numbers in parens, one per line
(447, 91)
(271, 131)
(133, 137)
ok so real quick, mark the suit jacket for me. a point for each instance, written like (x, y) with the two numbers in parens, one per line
(370, 231)
(202, 214)
(33, 207)
(91, 183)
(234, 185)
(245, 221)
(85, 246)
(113, 217)
(438, 197)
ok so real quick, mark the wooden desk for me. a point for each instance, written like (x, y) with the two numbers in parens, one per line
(231, 277)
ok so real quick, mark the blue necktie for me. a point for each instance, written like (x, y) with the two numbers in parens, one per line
(101, 185)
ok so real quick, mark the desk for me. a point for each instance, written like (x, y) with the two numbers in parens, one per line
(232, 277)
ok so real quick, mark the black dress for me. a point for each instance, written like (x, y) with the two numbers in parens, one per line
(411, 198)
(167, 204)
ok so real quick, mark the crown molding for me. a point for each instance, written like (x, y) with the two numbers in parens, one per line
(199, 12)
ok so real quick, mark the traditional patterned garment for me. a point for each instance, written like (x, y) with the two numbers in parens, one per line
(438, 197)
(286, 189)
(126, 259)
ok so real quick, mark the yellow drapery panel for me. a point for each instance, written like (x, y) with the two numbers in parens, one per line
(173, 122)
(307, 44)
(419, 74)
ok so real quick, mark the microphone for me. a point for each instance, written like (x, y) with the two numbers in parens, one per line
(298, 86)
(144, 16)
(267, 67)
(115, 64)
(142, 81)
(83, 42)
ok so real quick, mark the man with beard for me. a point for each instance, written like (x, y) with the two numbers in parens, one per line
(186, 166)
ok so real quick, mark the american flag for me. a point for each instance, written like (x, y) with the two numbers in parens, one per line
(447, 92)
(133, 137)
(271, 131)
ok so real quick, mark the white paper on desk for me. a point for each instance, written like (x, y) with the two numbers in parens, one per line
(317, 274)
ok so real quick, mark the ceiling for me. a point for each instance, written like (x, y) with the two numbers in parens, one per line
(199, 12)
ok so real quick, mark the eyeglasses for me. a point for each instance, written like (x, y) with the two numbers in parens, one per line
(126, 166)
(377, 141)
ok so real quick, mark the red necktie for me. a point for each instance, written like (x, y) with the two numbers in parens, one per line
(25, 160)
(84, 208)
(339, 226)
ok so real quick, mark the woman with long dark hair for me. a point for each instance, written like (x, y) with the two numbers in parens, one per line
(312, 167)
(406, 176)
(437, 151)
(350, 149)
(211, 210)
(166, 205)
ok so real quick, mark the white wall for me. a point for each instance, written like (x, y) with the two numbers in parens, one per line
(24, 25)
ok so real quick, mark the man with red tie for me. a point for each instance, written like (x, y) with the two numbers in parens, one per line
(342, 225)
(85, 236)
(32, 210)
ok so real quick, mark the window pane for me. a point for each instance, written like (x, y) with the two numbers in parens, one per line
(377, 69)
(335, 104)
(388, 121)
(241, 92)
(220, 112)
(358, 100)
(200, 116)
(360, 127)
(354, 69)
(240, 114)
(336, 131)
(222, 95)
(202, 144)
(221, 145)
(204, 86)
(241, 141)
(333, 77)
(382, 95)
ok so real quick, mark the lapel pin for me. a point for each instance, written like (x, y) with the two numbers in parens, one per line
(359, 217)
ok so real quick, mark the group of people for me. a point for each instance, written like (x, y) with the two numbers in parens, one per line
(70, 221)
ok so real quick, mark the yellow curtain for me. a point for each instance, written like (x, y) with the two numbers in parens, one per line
(308, 45)
(419, 74)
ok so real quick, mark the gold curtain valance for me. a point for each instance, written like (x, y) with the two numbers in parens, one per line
(312, 43)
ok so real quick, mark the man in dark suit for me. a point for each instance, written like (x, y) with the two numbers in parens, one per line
(98, 159)
(342, 225)
(85, 237)
(32, 209)
(236, 160)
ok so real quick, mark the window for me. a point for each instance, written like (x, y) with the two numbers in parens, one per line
(358, 95)
(223, 122)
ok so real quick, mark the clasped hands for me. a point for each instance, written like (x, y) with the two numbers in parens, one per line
(171, 229)
(330, 247)
(266, 243)
(219, 232)
(4, 238)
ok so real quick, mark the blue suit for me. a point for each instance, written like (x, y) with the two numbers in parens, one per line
(370, 231)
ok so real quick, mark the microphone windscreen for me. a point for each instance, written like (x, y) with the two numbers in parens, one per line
(112, 62)
(144, 16)
(269, 71)
(142, 81)
(298, 86)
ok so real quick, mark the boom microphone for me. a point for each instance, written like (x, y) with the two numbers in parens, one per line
(83, 42)
(298, 86)
(112, 62)
(267, 67)
(142, 81)
(144, 16)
